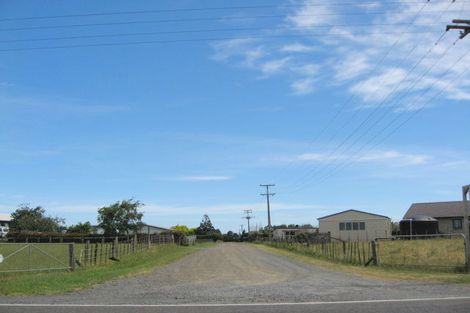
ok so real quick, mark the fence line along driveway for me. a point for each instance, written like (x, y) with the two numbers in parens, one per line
(242, 273)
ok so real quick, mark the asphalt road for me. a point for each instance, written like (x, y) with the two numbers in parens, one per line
(242, 278)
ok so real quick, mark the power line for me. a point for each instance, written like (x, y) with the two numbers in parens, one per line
(136, 12)
(190, 31)
(417, 99)
(312, 173)
(165, 41)
(195, 19)
(377, 65)
(394, 130)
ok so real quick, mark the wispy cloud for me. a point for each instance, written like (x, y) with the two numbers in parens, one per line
(390, 157)
(303, 86)
(205, 178)
(297, 48)
(370, 62)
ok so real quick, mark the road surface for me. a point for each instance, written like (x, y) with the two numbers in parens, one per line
(230, 276)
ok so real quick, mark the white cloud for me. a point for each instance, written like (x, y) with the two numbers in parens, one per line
(303, 86)
(205, 178)
(390, 157)
(244, 49)
(311, 14)
(369, 66)
(380, 86)
(297, 47)
(352, 66)
(274, 66)
(307, 69)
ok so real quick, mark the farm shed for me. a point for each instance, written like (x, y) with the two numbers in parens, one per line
(354, 225)
(449, 214)
(419, 225)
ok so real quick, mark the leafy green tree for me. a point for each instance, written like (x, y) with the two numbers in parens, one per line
(183, 229)
(207, 230)
(30, 219)
(122, 217)
(205, 227)
(80, 228)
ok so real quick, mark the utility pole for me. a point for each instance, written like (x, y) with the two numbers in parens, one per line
(248, 217)
(267, 194)
(466, 228)
(463, 25)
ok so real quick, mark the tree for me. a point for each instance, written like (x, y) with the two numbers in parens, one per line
(26, 219)
(80, 228)
(207, 230)
(183, 229)
(122, 217)
(205, 227)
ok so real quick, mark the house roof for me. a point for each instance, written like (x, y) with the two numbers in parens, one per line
(5, 217)
(436, 209)
(357, 211)
(158, 227)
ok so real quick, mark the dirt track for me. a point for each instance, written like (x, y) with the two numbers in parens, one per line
(241, 273)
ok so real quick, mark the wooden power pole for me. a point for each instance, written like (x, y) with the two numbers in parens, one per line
(268, 194)
(248, 217)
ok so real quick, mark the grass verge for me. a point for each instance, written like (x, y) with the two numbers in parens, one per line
(46, 283)
(376, 272)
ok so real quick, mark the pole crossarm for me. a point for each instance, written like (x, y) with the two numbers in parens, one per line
(464, 29)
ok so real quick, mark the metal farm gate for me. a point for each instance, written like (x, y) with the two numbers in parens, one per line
(27, 257)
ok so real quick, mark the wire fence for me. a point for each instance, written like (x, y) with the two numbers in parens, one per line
(34, 256)
(442, 252)
(356, 253)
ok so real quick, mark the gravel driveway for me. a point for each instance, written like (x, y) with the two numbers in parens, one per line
(241, 273)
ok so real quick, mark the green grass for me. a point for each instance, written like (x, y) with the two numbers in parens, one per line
(376, 272)
(42, 283)
(439, 252)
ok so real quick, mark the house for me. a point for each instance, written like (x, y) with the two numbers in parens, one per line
(146, 229)
(449, 214)
(288, 233)
(5, 220)
(354, 225)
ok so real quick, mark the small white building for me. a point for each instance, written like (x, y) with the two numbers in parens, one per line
(354, 225)
(5, 220)
(289, 233)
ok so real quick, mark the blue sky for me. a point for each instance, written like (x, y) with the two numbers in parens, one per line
(194, 126)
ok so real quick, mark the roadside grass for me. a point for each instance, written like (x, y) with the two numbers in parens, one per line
(55, 282)
(376, 272)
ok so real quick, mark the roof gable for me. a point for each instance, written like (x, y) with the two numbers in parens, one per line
(436, 209)
(353, 211)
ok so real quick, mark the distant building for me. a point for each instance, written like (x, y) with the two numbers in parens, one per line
(288, 233)
(449, 214)
(354, 225)
(5, 220)
(146, 229)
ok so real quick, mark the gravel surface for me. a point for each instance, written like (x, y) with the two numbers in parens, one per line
(241, 273)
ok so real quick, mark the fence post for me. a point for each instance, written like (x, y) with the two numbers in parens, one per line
(116, 247)
(72, 256)
(134, 242)
(374, 252)
(87, 252)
